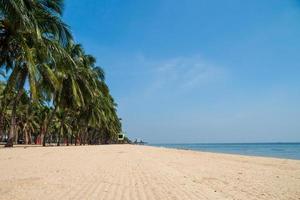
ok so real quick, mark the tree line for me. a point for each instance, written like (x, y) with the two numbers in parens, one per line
(51, 91)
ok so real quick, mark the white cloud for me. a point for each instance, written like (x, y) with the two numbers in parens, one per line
(185, 73)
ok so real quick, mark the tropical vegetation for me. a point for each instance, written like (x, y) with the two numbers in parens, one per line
(51, 91)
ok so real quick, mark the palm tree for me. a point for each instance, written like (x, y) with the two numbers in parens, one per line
(3, 115)
(67, 92)
(29, 120)
(31, 33)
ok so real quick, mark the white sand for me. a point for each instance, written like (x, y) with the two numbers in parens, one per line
(140, 172)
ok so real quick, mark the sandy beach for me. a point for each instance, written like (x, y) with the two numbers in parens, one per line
(140, 172)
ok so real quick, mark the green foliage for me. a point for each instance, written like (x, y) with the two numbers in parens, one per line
(67, 99)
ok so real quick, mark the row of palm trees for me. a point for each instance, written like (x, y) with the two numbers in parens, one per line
(50, 90)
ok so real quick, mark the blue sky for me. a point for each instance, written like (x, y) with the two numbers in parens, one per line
(197, 70)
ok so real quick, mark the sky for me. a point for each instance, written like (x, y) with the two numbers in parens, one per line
(197, 71)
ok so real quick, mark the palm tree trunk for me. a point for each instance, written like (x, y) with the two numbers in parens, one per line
(29, 137)
(12, 126)
(16, 134)
(46, 125)
(58, 138)
(85, 135)
(77, 137)
(1, 126)
(12, 130)
(61, 131)
(26, 137)
(43, 134)
(67, 140)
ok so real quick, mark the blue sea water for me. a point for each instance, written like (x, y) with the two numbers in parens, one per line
(277, 150)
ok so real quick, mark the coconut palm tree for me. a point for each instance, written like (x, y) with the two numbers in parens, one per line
(31, 33)
(3, 114)
(67, 95)
(29, 119)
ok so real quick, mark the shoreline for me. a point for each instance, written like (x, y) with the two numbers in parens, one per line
(143, 172)
(166, 148)
(211, 148)
(223, 153)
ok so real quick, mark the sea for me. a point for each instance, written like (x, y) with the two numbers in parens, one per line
(276, 150)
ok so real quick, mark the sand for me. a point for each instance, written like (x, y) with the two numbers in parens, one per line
(140, 172)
